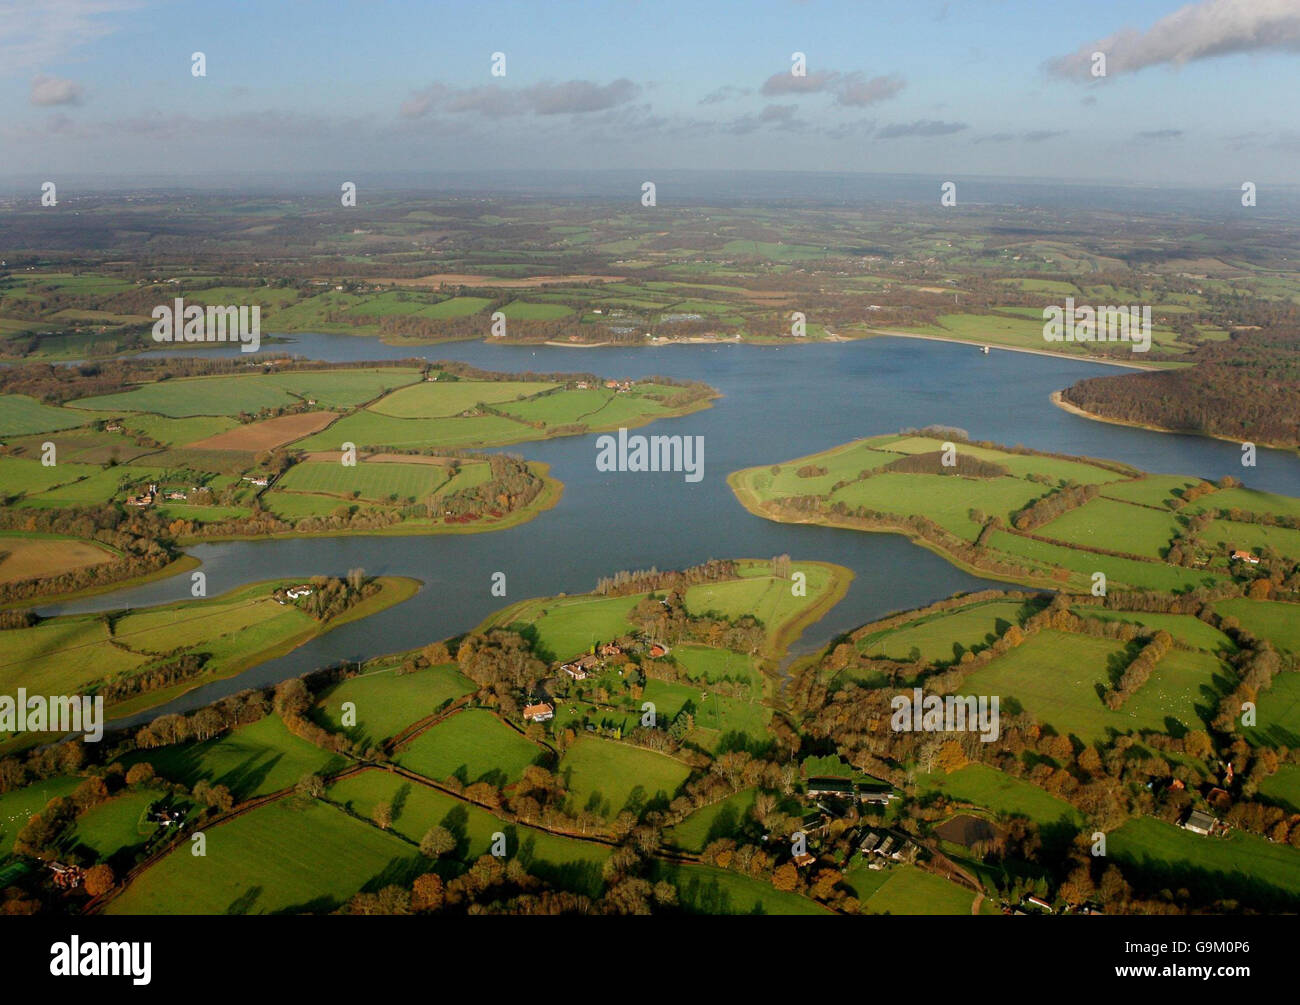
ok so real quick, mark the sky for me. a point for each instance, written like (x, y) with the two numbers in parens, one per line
(1202, 93)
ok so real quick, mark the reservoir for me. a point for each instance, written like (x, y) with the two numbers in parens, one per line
(777, 404)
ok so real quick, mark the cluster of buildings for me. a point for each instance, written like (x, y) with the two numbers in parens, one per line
(65, 877)
(887, 845)
(295, 593)
(145, 498)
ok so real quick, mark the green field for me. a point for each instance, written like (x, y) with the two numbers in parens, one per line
(438, 399)
(704, 889)
(1266, 619)
(607, 777)
(995, 790)
(1242, 867)
(1114, 526)
(1056, 677)
(253, 760)
(373, 482)
(717, 820)
(1278, 711)
(20, 415)
(1184, 627)
(386, 701)
(291, 856)
(711, 665)
(567, 862)
(943, 637)
(227, 395)
(118, 823)
(568, 626)
(473, 745)
(909, 890)
(18, 806)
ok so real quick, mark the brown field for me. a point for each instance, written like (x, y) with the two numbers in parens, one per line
(965, 829)
(268, 434)
(28, 558)
(465, 279)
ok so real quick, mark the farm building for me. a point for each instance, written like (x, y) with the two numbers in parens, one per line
(1199, 822)
(1243, 556)
(541, 712)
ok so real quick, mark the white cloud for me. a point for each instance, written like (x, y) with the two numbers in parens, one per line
(1198, 31)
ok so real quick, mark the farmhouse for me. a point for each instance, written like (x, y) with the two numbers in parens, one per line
(294, 592)
(146, 498)
(1039, 903)
(262, 481)
(541, 712)
(656, 651)
(610, 649)
(1243, 556)
(575, 670)
(1199, 822)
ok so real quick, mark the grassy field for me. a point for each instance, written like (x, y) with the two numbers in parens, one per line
(1268, 619)
(567, 626)
(64, 655)
(607, 777)
(38, 557)
(119, 823)
(1184, 627)
(371, 482)
(473, 745)
(1056, 677)
(1241, 867)
(703, 889)
(909, 890)
(1278, 710)
(567, 862)
(717, 820)
(771, 600)
(1114, 526)
(252, 760)
(943, 637)
(18, 806)
(439, 399)
(290, 856)
(710, 665)
(386, 702)
(226, 395)
(1283, 787)
(995, 790)
(20, 415)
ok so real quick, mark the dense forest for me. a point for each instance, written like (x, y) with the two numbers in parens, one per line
(1244, 388)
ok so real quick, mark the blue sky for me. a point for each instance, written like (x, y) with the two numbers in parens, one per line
(1196, 93)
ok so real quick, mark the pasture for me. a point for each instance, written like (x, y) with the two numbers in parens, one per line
(945, 636)
(1058, 678)
(292, 856)
(474, 746)
(607, 777)
(253, 760)
(387, 702)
